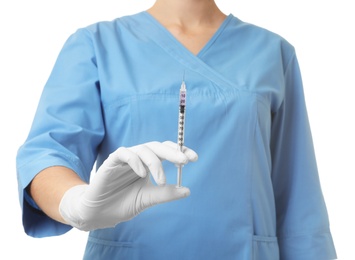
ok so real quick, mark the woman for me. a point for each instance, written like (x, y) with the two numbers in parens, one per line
(112, 99)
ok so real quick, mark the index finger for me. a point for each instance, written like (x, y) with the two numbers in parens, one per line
(167, 152)
(191, 154)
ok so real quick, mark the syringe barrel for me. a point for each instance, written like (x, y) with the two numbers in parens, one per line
(181, 126)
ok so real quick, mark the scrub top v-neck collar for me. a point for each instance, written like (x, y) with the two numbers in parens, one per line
(147, 25)
(205, 47)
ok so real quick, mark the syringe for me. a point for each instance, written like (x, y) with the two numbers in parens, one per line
(181, 126)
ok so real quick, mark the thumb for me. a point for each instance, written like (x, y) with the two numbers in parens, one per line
(153, 195)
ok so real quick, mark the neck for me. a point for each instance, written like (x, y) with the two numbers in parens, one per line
(186, 13)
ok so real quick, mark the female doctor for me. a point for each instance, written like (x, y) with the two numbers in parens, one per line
(112, 99)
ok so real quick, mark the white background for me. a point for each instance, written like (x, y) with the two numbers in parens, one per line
(322, 31)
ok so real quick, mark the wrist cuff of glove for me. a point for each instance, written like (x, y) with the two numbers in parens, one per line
(69, 207)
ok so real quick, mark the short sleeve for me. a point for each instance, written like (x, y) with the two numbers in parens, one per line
(67, 128)
(302, 219)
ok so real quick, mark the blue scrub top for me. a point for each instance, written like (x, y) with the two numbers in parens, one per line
(255, 191)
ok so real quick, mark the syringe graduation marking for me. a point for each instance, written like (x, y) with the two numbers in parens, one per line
(181, 126)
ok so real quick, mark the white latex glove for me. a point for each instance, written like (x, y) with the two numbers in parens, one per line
(122, 188)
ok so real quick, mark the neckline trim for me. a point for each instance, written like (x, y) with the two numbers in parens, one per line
(208, 44)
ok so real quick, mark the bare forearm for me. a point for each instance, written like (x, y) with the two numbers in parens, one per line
(49, 186)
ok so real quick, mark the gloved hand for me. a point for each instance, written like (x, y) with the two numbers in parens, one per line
(122, 188)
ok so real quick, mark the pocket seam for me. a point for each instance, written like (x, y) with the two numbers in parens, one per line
(264, 239)
(109, 243)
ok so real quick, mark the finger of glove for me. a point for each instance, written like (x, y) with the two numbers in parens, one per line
(167, 152)
(152, 161)
(154, 195)
(125, 155)
(189, 153)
